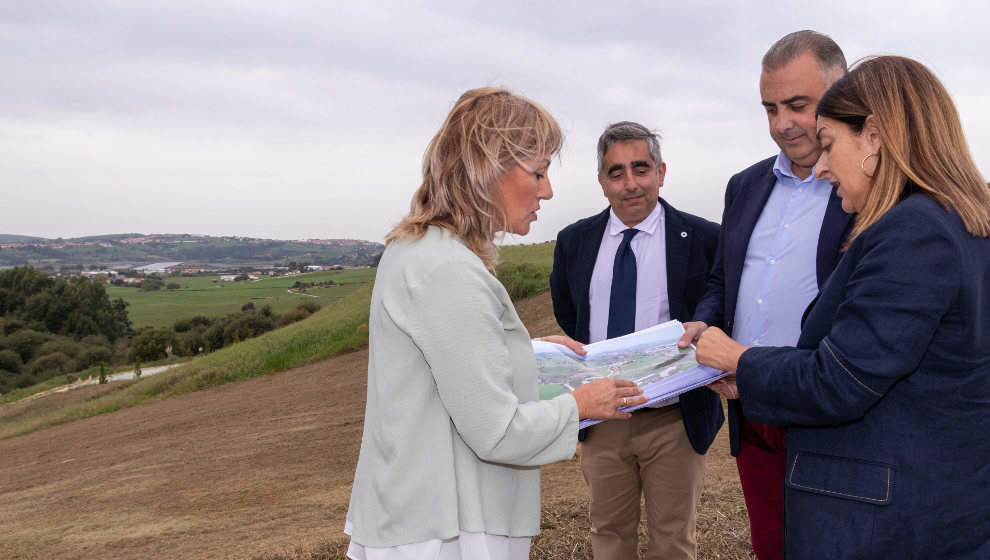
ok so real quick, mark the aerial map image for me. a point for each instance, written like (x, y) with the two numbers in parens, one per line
(649, 357)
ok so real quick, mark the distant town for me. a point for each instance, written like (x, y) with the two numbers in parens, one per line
(119, 257)
(139, 275)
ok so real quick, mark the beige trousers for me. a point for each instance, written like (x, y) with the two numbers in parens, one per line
(649, 454)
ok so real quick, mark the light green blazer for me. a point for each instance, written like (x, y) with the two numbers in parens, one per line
(454, 431)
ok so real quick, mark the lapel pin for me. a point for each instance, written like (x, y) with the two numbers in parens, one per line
(683, 234)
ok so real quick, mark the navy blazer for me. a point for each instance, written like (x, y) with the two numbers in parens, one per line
(690, 245)
(887, 396)
(745, 196)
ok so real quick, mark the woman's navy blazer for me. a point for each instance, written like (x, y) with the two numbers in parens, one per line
(887, 396)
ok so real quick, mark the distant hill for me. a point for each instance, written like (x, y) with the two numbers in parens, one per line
(9, 238)
(193, 250)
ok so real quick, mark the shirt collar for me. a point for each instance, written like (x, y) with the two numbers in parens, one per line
(649, 225)
(782, 169)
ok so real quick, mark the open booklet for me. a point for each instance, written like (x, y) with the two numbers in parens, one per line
(649, 357)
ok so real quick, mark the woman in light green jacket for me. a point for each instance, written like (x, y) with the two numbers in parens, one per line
(454, 431)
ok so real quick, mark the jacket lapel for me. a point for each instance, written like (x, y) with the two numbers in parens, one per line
(835, 229)
(587, 254)
(754, 198)
(678, 237)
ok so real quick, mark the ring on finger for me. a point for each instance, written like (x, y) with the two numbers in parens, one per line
(624, 401)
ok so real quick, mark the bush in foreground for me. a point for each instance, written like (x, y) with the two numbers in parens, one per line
(523, 280)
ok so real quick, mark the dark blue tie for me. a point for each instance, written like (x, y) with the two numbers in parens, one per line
(622, 300)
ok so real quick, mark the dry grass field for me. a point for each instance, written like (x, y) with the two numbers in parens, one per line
(256, 470)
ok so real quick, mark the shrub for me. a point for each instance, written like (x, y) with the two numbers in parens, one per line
(96, 340)
(25, 342)
(188, 343)
(245, 326)
(183, 325)
(214, 334)
(11, 326)
(292, 316)
(309, 306)
(11, 361)
(523, 280)
(150, 344)
(172, 286)
(60, 344)
(50, 365)
(152, 284)
(25, 380)
(92, 356)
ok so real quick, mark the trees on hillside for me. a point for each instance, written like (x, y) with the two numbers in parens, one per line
(74, 307)
(54, 326)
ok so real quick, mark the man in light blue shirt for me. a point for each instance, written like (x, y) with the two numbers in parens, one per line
(782, 230)
(778, 278)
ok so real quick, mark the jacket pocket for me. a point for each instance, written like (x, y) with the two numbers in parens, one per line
(841, 477)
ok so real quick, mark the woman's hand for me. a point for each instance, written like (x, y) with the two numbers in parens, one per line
(567, 341)
(602, 398)
(715, 349)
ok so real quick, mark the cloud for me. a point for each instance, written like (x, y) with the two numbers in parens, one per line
(309, 119)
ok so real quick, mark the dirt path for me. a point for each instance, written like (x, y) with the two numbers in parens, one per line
(239, 471)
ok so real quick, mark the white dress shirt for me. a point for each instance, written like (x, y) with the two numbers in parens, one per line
(650, 248)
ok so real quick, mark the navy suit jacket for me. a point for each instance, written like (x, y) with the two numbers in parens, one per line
(690, 245)
(887, 396)
(745, 197)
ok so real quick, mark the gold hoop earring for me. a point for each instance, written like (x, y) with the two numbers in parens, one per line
(862, 164)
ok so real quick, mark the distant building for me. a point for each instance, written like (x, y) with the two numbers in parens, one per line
(105, 275)
(157, 268)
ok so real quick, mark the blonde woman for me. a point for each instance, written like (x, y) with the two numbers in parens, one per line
(454, 432)
(887, 395)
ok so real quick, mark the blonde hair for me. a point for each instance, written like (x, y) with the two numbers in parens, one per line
(922, 144)
(487, 133)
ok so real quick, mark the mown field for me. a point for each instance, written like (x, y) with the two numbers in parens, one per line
(207, 295)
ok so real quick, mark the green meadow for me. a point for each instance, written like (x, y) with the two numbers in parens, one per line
(208, 296)
(538, 254)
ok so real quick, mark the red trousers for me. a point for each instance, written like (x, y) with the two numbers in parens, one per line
(761, 463)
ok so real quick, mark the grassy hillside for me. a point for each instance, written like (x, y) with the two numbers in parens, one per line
(328, 332)
(206, 295)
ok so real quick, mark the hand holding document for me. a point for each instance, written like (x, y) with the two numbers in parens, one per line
(649, 357)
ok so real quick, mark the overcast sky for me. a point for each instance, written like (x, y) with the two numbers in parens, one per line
(296, 120)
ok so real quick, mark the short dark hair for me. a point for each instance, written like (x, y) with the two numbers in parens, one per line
(821, 46)
(625, 131)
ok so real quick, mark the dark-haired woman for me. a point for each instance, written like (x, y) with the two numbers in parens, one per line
(887, 395)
